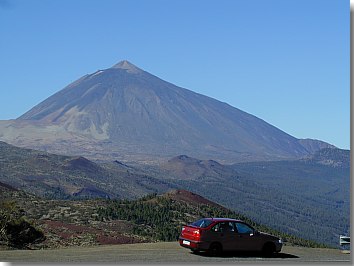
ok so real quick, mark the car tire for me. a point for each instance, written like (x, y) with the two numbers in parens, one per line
(215, 249)
(268, 249)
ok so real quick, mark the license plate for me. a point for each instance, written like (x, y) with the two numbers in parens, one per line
(185, 242)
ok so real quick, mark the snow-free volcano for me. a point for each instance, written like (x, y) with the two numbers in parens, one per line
(126, 112)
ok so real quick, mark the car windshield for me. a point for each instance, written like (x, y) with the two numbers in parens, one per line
(202, 223)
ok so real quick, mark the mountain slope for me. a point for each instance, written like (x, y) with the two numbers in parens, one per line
(126, 112)
(309, 197)
(58, 176)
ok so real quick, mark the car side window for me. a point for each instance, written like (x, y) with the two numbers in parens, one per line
(216, 228)
(244, 228)
(223, 227)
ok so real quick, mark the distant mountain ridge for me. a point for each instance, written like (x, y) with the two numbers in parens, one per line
(331, 157)
(128, 114)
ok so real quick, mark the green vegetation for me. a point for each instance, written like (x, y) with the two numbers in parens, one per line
(161, 218)
(15, 230)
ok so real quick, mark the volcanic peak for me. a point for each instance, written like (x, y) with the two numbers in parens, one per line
(125, 64)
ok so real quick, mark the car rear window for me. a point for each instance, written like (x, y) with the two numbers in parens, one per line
(202, 223)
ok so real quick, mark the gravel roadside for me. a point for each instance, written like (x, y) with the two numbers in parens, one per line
(165, 253)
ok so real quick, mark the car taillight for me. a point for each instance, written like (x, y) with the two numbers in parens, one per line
(196, 233)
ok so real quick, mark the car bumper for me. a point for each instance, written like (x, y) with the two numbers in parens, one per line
(193, 245)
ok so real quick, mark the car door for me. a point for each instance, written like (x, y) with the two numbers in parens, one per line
(224, 233)
(246, 239)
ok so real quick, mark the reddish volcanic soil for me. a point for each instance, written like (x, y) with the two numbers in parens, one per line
(191, 198)
(67, 234)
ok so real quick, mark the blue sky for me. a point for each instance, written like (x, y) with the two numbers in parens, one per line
(284, 61)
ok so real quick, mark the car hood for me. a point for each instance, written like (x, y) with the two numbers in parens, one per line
(268, 236)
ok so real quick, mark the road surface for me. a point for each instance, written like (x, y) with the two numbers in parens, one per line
(166, 253)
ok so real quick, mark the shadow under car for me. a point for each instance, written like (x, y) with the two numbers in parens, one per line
(247, 254)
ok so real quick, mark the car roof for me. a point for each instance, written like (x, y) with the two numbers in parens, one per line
(219, 219)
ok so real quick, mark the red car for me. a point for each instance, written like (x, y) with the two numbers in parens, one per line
(215, 235)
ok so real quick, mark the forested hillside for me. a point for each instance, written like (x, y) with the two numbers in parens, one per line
(161, 217)
(309, 198)
(61, 223)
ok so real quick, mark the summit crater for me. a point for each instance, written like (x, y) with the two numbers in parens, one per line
(125, 64)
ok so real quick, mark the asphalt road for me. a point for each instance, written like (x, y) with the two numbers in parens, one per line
(166, 253)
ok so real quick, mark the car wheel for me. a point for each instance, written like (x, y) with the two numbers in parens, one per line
(268, 249)
(215, 249)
